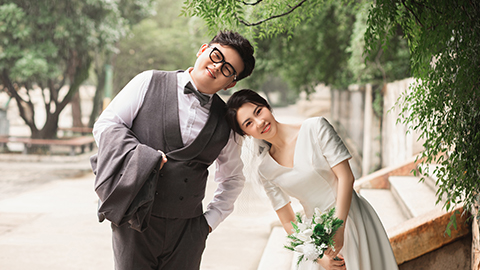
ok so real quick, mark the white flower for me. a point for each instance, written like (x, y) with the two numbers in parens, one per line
(302, 226)
(302, 236)
(318, 220)
(310, 252)
(308, 232)
(307, 221)
(299, 248)
(318, 216)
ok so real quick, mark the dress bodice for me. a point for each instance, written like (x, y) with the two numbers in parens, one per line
(311, 180)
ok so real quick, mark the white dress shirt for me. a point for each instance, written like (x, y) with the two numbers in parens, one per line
(229, 176)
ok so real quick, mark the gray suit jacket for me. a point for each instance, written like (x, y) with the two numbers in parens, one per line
(127, 182)
(126, 174)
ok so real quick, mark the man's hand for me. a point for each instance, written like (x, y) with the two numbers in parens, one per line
(164, 160)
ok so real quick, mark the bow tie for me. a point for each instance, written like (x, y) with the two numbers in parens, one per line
(203, 98)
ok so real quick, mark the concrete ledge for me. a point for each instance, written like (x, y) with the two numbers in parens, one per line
(275, 256)
(18, 157)
(426, 233)
(379, 179)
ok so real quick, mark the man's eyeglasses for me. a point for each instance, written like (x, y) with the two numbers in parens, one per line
(227, 69)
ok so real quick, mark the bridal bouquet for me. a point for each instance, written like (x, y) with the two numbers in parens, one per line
(312, 237)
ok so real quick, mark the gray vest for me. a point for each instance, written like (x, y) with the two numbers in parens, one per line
(182, 181)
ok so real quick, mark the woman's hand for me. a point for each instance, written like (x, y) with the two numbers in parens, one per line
(338, 239)
(329, 263)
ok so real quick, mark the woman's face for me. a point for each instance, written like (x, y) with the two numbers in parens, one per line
(256, 121)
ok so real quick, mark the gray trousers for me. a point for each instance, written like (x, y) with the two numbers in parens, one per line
(167, 244)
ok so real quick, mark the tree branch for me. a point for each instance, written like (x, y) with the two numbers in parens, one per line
(47, 104)
(79, 76)
(272, 17)
(251, 4)
(413, 13)
(8, 86)
(379, 65)
(425, 6)
(22, 105)
(53, 91)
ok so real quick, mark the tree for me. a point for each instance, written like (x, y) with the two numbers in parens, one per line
(166, 41)
(48, 45)
(263, 18)
(444, 44)
(444, 104)
(308, 42)
(132, 12)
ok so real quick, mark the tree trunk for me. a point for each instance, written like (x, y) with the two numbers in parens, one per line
(49, 130)
(76, 110)
(98, 98)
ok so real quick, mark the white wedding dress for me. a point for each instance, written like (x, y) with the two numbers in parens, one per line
(313, 183)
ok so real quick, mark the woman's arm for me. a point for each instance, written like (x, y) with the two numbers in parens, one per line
(286, 216)
(344, 189)
(344, 198)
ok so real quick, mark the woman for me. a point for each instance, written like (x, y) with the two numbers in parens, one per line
(310, 162)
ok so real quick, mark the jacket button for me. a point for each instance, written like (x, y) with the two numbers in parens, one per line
(181, 198)
(185, 180)
(161, 175)
(156, 193)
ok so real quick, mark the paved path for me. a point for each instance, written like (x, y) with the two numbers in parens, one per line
(54, 226)
(48, 219)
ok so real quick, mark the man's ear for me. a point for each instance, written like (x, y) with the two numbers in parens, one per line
(202, 49)
(232, 84)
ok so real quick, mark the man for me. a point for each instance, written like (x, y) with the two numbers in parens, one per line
(156, 141)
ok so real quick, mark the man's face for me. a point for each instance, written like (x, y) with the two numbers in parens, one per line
(207, 75)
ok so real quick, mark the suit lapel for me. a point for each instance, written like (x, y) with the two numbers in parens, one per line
(171, 123)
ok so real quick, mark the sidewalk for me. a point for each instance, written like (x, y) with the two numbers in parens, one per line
(49, 222)
(54, 226)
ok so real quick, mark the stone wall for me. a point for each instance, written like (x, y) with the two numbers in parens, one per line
(398, 145)
(376, 142)
(347, 116)
(475, 240)
(452, 256)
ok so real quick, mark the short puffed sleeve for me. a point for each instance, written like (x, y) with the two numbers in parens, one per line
(277, 196)
(331, 144)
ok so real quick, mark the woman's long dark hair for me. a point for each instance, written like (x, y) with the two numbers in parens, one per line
(236, 101)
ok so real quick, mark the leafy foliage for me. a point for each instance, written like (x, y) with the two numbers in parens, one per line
(313, 42)
(166, 41)
(46, 45)
(104, 55)
(444, 104)
(272, 16)
(441, 44)
(437, 41)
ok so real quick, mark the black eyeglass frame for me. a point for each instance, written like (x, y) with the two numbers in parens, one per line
(223, 62)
